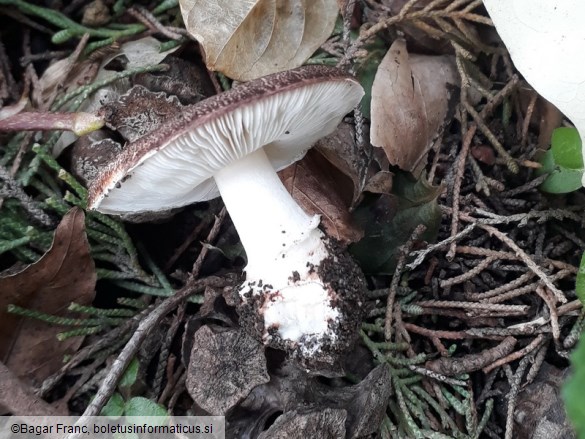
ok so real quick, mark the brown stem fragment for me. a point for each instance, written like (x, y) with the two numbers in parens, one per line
(515, 355)
(471, 362)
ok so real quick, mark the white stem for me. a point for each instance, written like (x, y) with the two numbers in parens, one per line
(267, 218)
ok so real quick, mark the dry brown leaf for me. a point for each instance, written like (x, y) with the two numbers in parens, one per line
(224, 367)
(380, 183)
(64, 274)
(20, 400)
(311, 183)
(246, 39)
(340, 149)
(410, 102)
(11, 110)
(63, 75)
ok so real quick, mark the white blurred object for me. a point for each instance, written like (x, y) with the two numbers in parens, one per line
(546, 39)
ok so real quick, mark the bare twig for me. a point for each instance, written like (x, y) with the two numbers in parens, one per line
(472, 362)
(472, 305)
(148, 324)
(210, 237)
(448, 335)
(421, 254)
(149, 20)
(516, 283)
(468, 275)
(515, 355)
(512, 394)
(527, 260)
(460, 168)
(404, 251)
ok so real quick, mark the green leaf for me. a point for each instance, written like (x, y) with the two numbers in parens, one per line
(566, 148)
(564, 162)
(115, 407)
(561, 180)
(389, 220)
(129, 377)
(140, 406)
(580, 282)
(574, 388)
(414, 192)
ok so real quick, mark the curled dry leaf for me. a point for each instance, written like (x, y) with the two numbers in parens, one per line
(326, 423)
(246, 39)
(541, 412)
(411, 100)
(340, 149)
(11, 110)
(225, 365)
(550, 118)
(19, 399)
(290, 389)
(65, 274)
(63, 74)
(313, 184)
(143, 52)
(380, 183)
(96, 14)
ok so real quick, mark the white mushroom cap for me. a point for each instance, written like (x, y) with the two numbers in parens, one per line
(284, 113)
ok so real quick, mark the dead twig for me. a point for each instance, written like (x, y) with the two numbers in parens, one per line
(516, 355)
(513, 285)
(448, 335)
(472, 362)
(144, 328)
(460, 169)
(193, 286)
(527, 260)
(468, 275)
(472, 305)
(404, 251)
(150, 21)
(527, 118)
(512, 394)
(554, 317)
(421, 254)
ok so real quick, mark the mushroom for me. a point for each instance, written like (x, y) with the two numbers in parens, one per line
(302, 292)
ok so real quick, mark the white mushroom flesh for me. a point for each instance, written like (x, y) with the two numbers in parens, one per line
(282, 244)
